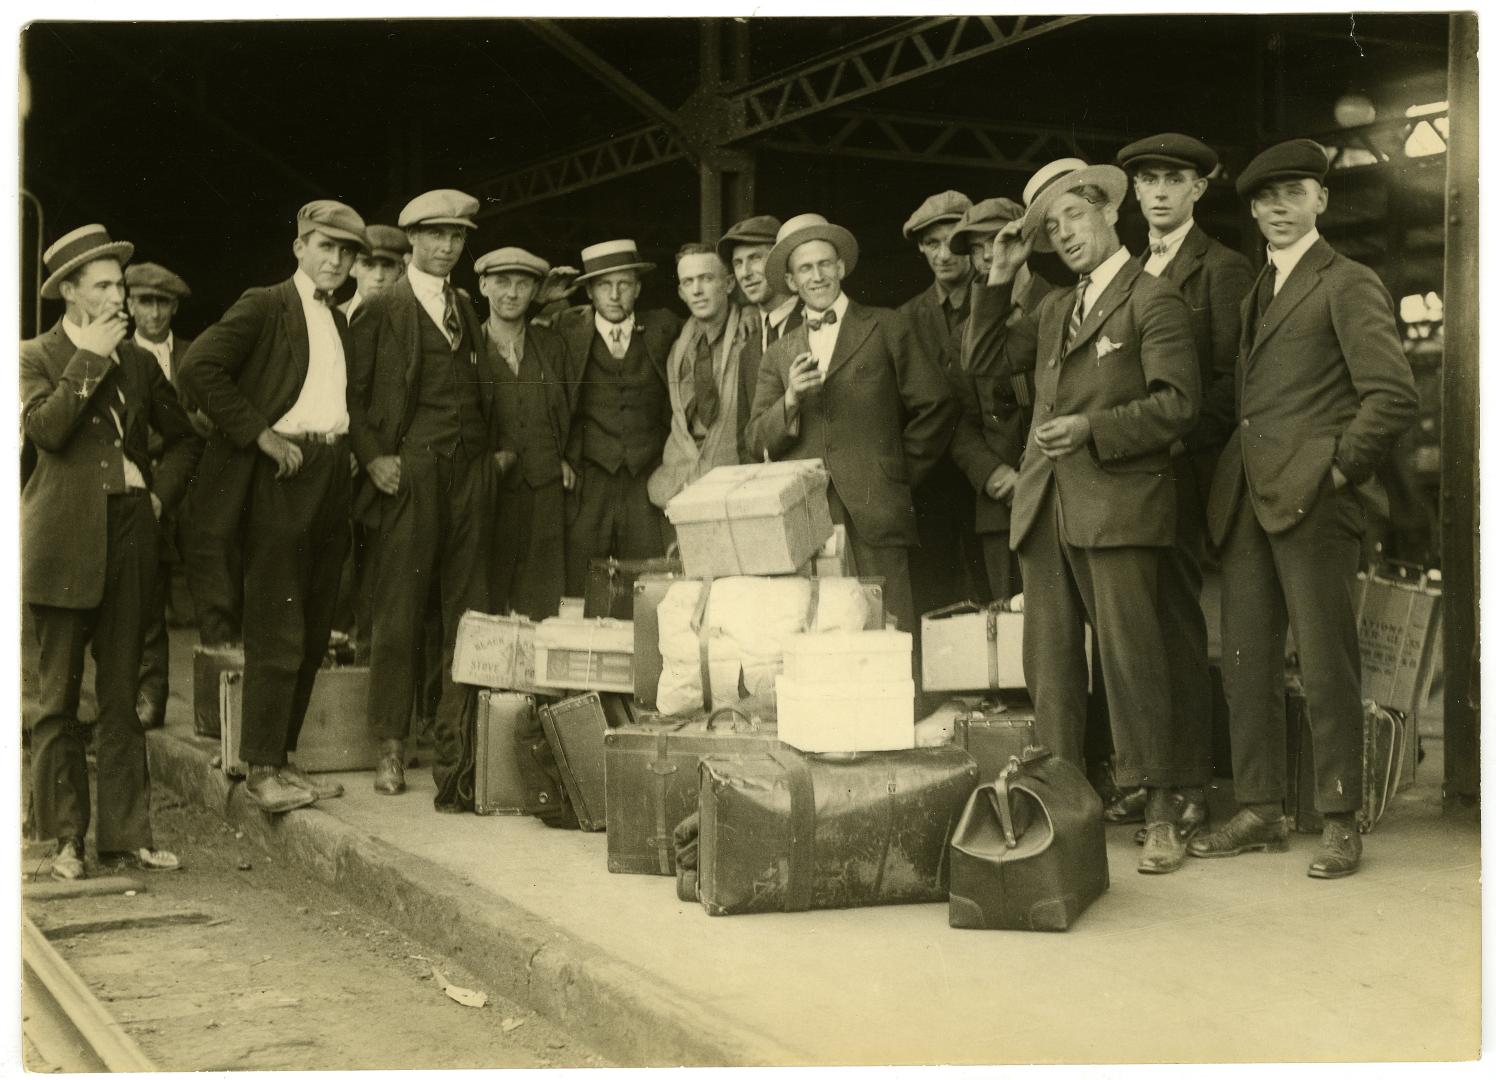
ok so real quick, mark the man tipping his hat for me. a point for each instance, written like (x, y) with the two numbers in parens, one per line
(1323, 389)
(533, 396)
(90, 399)
(745, 248)
(424, 424)
(379, 267)
(152, 294)
(622, 416)
(853, 387)
(1116, 384)
(272, 375)
(1169, 174)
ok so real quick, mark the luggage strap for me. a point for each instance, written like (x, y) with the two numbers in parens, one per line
(800, 872)
(704, 633)
(662, 767)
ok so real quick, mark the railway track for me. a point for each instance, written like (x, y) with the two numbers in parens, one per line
(64, 1023)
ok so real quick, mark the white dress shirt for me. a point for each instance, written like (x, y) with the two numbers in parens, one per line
(775, 319)
(430, 291)
(1284, 261)
(1170, 241)
(1101, 277)
(620, 345)
(823, 341)
(116, 409)
(354, 303)
(322, 406)
(161, 350)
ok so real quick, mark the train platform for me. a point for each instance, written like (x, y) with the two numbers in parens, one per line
(1383, 966)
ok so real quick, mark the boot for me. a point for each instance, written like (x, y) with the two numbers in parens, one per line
(389, 776)
(1339, 853)
(296, 776)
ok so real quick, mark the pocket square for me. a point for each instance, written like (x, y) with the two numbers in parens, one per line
(1106, 346)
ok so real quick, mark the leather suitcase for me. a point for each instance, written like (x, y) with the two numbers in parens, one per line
(1384, 752)
(208, 663)
(652, 782)
(1030, 850)
(993, 734)
(335, 737)
(498, 785)
(575, 729)
(610, 584)
(786, 831)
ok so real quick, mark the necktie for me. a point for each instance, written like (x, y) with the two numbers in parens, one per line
(322, 296)
(1264, 295)
(450, 322)
(615, 343)
(707, 402)
(1078, 312)
(829, 319)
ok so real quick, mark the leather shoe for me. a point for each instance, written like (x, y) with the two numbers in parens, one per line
(1192, 814)
(141, 859)
(1339, 853)
(1246, 831)
(265, 788)
(389, 775)
(296, 776)
(1163, 849)
(67, 863)
(1127, 807)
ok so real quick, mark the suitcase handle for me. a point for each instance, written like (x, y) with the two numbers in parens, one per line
(1402, 572)
(998, 793)
(736, 713)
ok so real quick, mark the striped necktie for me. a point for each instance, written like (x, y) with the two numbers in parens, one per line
(450, 322)
(1078, 312)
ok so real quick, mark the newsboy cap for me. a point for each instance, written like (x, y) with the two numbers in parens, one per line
(153, 279)
(335, 219)
(79, 248)
(1287, 160)
(984, 218)
(947, 206)
(760, 229)
(387, 242)
(506, 260)
(1170, 148)
(441, 207)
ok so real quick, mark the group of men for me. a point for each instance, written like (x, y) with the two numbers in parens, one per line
(1105, 433)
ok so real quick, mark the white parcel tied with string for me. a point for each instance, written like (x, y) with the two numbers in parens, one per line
(585, 654)
(752, 519)
(847, 691)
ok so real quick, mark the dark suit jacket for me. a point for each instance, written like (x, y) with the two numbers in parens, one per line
(927, 319)
(246, 371)
(559, 380)
(880, 422)
(384, 376)
(1322, 381)
(1140, 395)
(748, 364)
(64, 505)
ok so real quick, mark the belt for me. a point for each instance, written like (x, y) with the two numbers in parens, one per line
(313, 438)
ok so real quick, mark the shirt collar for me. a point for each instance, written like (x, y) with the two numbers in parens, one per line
(1286, 259)
(154, 346)
(782, 312)
(606, 328)
(424, 284)
(839, 305)
(306, 288)
(956, 296)
(1173, 239)
(72, 330)
(1102, 276)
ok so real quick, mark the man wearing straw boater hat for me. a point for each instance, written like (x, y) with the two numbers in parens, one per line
(853, 387)
(1116, 385)
(272, 375)
(91, 401)
(424, 424)
(622, 416)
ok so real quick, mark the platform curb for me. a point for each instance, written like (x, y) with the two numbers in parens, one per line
(611, 1006)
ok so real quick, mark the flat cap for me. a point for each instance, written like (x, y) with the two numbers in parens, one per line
(387, 242)
(443, 206)
(1287, 160)
(511, 260)
(947, 206)
(1171, 148)
(337, 220)
(153, 279)
(985, 217)
(761, 229)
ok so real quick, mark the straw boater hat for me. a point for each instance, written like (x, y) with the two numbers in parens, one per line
(78, 248)
(611, 255)
(802, 229)
(1058, 177)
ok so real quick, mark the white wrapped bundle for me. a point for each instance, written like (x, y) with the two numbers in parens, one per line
(745, 626)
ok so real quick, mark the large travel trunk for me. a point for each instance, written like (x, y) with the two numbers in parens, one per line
(499, 785)
(335, 736)
(1030, 850)
(208, 663)
(994, 732)
(785, 831)
(610, 584)
(653, 783)
(575, 729)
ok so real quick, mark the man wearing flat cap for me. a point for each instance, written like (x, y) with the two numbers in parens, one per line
(1116, 384)
(622, 416)
(378, 268)
(424, 424)
(533, 395)
(745, 248)
(1323, 389)
(272, 375)
(1169, 174)
(152, 295)
(853, 387)
(91, 400)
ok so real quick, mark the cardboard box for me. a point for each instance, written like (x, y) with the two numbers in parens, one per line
(752, 519)
(822, 717)
(966, 646)
(496, 652)
(1398, 612)
(585, 654)
(849, 656)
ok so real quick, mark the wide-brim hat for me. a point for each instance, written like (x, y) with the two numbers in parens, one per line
(802, 229)
(609, 256)
(1054, 180)
(78, 248)
(985, 218)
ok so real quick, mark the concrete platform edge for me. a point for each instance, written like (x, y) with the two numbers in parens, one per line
(610, 1005)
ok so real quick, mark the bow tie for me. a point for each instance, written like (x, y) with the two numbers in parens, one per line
(1159, 249)
(829, 319)
(322, 296)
